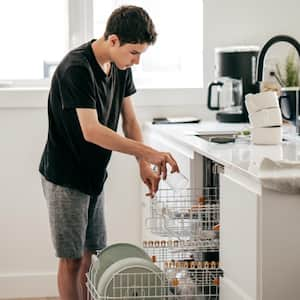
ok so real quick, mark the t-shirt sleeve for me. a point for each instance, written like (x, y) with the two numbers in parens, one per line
(77, 88)
(129, 84)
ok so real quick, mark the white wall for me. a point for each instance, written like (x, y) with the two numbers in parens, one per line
(251, 22)
(27, 264)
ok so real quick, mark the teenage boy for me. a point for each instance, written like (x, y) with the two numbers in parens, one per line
(90, 89)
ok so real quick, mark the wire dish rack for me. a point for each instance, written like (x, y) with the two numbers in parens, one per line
(192, 213)
(189, 252)
(173, 283)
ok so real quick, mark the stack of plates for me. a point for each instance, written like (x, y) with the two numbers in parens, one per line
(125, 270)
(265, 118)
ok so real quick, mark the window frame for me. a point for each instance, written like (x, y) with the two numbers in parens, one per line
(80, 29)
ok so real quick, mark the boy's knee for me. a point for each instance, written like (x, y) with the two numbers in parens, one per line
(70, 264)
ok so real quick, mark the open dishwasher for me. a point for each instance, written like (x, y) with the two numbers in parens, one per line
(182, 264)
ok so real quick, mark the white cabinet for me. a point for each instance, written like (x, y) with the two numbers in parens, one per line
(259, 242)
(229, 290)
(239, 221)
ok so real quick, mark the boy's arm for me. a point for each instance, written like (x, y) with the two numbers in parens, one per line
(98, 134)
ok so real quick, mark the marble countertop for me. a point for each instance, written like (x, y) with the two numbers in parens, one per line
(242, 154)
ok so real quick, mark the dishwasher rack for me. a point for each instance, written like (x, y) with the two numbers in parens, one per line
(175, 283)
(191, 253)
(192, 213)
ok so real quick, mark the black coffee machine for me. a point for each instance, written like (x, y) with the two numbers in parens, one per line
(235, 73)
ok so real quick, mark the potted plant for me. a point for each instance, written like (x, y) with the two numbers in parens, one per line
(289, 94)
(288, 76)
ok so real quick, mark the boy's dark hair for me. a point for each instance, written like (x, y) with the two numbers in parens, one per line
(131, 24)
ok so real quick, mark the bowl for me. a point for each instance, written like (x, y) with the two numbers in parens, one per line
(266, 117)
(259, 101)
(266, 135)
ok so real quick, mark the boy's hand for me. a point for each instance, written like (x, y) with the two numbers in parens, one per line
(160, 160)
(149, 177)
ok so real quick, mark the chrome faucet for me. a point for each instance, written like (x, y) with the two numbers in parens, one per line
(260, 64)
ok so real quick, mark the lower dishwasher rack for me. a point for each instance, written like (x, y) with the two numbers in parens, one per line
(174, 283)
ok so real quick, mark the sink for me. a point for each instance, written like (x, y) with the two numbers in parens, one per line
(220, 138)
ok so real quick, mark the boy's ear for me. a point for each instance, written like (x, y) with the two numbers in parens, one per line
(113, 40)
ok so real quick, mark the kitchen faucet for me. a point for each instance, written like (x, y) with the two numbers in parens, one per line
(260, 65)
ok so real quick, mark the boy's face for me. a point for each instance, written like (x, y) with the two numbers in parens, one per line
(126, 55)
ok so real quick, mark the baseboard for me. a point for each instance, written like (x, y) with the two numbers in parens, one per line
(27, 285)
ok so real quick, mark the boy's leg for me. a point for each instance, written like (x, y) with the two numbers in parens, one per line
(67, 278)
(84, 268)
(68, 215)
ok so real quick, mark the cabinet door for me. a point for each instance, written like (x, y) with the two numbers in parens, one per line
(239, 235)
(228, 291)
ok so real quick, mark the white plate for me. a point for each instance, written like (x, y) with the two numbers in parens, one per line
(132, 277)
(113, 253)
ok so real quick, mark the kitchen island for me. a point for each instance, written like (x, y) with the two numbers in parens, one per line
(259, 235)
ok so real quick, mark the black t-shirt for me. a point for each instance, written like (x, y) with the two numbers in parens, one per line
(79, 82)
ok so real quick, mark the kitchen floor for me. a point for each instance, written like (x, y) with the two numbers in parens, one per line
(33, 299)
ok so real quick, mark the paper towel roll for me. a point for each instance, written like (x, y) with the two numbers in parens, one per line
(259, 101)
(266, 135)
(266, 117)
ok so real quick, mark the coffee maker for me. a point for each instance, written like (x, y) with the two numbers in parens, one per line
(235, 73)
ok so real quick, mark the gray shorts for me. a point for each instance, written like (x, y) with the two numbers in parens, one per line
(76, 220)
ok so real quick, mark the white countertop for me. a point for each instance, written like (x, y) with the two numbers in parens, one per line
(242, 154)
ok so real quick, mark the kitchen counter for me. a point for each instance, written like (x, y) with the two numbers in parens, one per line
(241, 155)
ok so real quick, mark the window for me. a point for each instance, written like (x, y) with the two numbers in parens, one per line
(33, 38)
(176, 58)
(35, 35)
